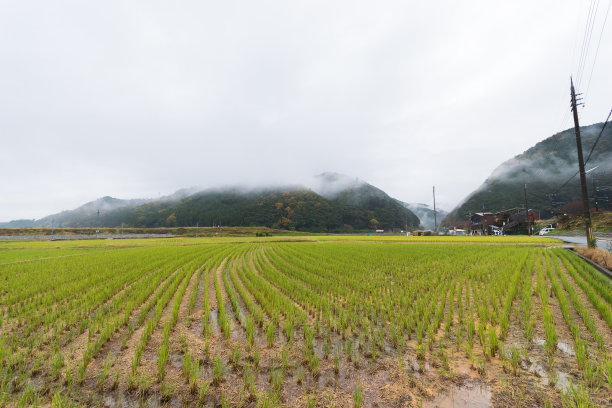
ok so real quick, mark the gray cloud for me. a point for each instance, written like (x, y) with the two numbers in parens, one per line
(138, 99)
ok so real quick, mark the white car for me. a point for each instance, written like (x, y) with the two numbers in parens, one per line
(546, 230)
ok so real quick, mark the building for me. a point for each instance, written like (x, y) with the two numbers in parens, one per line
(423, 233)
(511, 221)
(479, 223)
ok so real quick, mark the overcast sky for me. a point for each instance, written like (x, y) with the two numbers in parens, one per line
(140, 98)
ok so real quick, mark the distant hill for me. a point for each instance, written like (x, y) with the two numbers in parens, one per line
(544, 168)
(426, 214)
(87, 213)
(342, 204)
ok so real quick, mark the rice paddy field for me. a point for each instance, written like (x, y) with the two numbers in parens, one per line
(303, 322)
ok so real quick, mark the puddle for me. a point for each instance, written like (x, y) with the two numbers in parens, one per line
(213, 321)
(467, 396)
(36, 383)
(123, 400)
(414, 364)
(539, 372)
(176, 360)
(566, 348)
(109, 401)
(416, 367)
(563, 381)
(196, 327)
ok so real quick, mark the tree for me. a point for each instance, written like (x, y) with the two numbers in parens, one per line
(171, 220)
(374, 223)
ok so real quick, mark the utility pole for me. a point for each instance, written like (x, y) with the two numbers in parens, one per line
(435, 217)
(585, 196)
(527, 211)
(552, 207)
(595, 193)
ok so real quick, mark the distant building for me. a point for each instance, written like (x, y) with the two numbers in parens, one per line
(422, 233)
(479, 223)
(512, 221)
(456, 228)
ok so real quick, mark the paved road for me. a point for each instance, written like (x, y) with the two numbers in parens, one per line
(603, 243)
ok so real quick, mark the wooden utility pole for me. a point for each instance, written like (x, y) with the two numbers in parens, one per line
(552, 207)
(435, 216)
(595, 194)
(527, 211)
(585, 196)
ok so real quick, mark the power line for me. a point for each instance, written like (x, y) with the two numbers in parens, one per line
(584, 37)
(586, 41)
(588, 30)
(590, 153)
(597, 50)
(597, 140)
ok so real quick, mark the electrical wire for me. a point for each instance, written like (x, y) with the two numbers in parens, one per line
(590, 153)
(597, 50)
(584, 37)
(586, 42)
(599, 136)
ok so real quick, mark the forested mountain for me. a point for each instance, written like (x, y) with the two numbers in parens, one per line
(545, 168)
(343, 205)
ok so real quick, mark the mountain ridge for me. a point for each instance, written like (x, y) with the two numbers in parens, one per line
(342, 204)
(544, 168)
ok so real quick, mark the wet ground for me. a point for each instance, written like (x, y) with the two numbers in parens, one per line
(470, 395)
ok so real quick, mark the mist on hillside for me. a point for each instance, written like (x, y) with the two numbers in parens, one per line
(426, 214)
(332, 186)
(549, 169)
